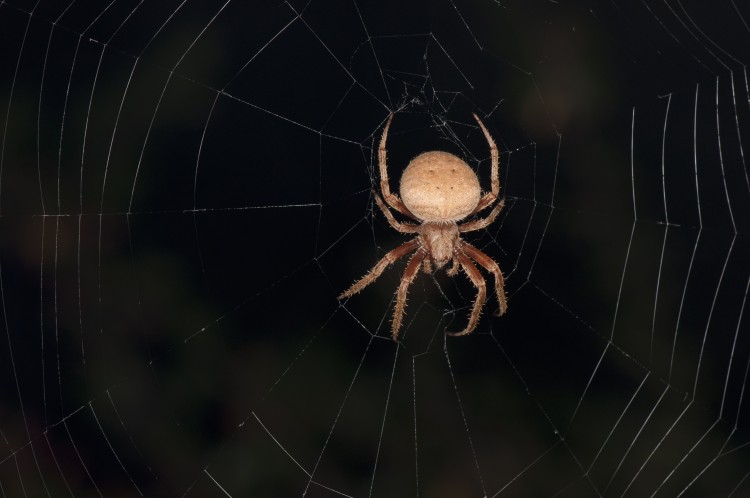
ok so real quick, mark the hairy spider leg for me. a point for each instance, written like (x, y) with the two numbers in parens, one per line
(392, 199)
(389, 258)
(490, 196)
(478, 281)
(411, 271)
(401, 227)
(491, 266)
(480, 223)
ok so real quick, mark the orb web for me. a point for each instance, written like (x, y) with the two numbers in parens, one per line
(185, 188)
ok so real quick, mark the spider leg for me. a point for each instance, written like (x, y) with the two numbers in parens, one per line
(380, 266)
(490, 196)
(392, 199)
(411, 271)
(478, 281)
(480, 223)
(401, 227)
(489, 264)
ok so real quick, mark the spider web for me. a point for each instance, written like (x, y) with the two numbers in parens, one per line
(185, 188)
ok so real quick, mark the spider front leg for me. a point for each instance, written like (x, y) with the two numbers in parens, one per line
(411, 271)
(380, 266)
(492, 267)
(478, 281)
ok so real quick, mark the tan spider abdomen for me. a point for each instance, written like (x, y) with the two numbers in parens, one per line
(439, 187)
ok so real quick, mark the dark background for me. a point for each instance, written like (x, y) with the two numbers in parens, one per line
(185, 189)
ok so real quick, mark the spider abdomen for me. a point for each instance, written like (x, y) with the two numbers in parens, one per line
(439, 187)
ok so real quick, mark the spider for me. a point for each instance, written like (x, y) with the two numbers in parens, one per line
(438, 190)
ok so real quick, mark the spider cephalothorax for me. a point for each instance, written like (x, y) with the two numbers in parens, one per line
(438, 190)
